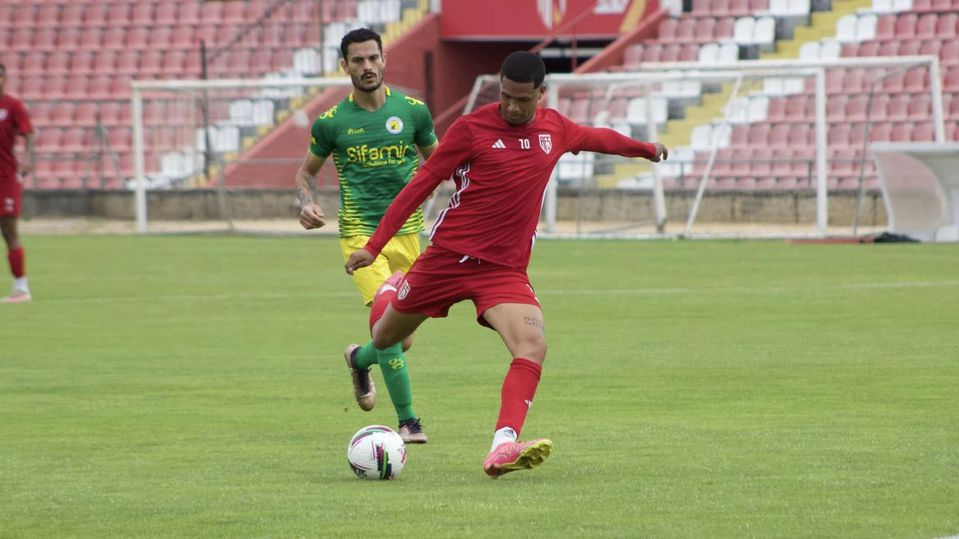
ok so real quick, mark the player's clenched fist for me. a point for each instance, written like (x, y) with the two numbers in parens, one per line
(359, 259)
(311, 216)
(662, 152)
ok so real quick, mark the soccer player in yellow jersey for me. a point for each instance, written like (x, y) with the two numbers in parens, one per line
(373, 135)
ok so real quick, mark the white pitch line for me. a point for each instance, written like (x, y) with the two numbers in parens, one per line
(539, 292)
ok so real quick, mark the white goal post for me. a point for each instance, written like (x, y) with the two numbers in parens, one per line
(190, 101)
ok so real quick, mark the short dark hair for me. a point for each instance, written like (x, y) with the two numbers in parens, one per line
(359, 36)
(524, 66)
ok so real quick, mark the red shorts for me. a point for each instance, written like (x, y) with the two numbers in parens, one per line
(440, 278)
(11, 195)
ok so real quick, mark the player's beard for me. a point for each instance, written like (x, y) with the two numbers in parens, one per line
(365, 86)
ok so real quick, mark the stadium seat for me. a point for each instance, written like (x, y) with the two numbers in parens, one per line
(923, 132)
(190, 13)
(946, 25)
(63, 113)
(898, 108)
(94, 15)
(949, 53)
(86, 114)
(886, 27)
(905, 27)
(142, 13)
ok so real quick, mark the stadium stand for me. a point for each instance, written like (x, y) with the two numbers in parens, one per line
(72, 63)
(771, 144)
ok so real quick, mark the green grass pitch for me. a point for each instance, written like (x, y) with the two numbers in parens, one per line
(194, 386)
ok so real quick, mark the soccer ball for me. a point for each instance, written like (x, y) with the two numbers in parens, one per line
(376, 452)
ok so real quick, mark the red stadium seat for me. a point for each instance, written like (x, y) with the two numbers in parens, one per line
(173, 63)
(905, 27)
(63, 113)
(119, 15)
(166, 12)
(886, 27)
(946, 26)
(100, 87)
(950, 83)
(899, 107)
(138, 37)
(949, 54)
(798, 135)
(923, 132)
(888, 48)
(652, 52)
(95, 14)
(916, 80)
(91, 38)
(838, 135)
(901, 132)
(86, 114)
(779, 135)
(724, 28)
(909, 47)
(75, 139)
(758, 135)
(686, 30)
(667, 30)
(160, 37)
(867, 48)
(670, 53)
(72, 15)
(49, 139)
(233, 12)
(212, 12)
(151, 61)
(920, 107)
(40, 113)
(81, 62)
(704, 30)
(926, 25)
(115, 38)
(184, 37)
(189, 13)
(777, 109)
(120, 139)
(128, 62)
(835, 107)
(633, 55)
(143, 13)
(110, 113)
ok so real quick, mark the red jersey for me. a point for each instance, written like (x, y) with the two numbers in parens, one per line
(501, 172)
(13, 121)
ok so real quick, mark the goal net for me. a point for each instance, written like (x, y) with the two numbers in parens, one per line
(223, 154)
(757, 148)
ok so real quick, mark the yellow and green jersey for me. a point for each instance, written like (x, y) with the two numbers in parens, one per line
(375, 156)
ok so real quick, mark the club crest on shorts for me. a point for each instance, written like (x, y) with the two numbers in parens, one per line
(545, 142)
(394, 125)
(404, 290)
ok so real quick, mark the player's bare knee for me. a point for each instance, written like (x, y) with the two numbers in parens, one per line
(532, 349)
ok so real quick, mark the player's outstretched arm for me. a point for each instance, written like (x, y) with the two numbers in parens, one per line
(608, 141)
(311, 215)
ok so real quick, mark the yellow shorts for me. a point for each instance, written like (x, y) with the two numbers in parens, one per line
(398, 255)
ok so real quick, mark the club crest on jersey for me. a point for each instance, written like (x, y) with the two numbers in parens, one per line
(394, 125)
(3, 114)
(545, 142)
(404, 290)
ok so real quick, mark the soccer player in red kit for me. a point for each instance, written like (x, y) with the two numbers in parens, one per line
(501, 157)
(13, 121)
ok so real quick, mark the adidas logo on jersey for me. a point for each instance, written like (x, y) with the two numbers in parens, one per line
(499, 144)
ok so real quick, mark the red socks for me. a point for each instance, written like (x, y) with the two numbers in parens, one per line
(15, 257)
(380, 303)
(517, 395)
